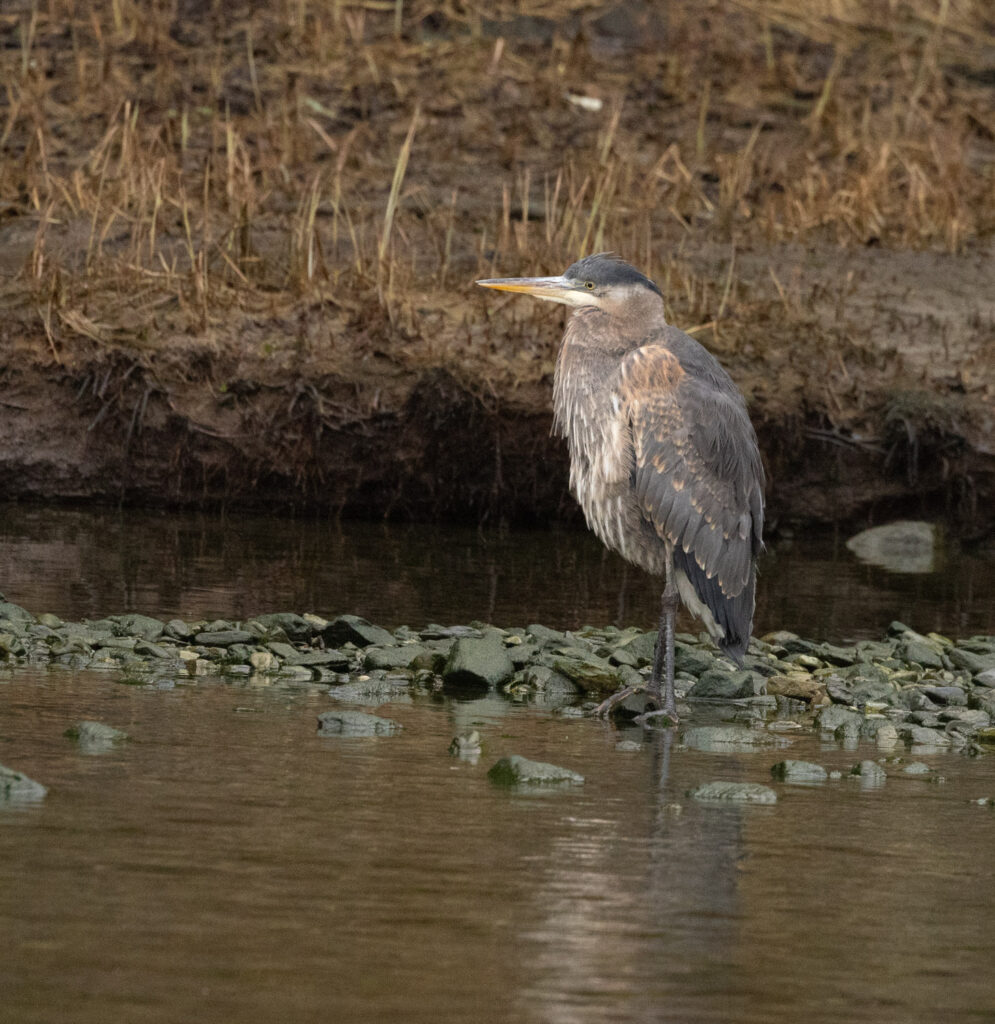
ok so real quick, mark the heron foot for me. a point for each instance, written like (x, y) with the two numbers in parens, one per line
(607, 706)
(668, 718)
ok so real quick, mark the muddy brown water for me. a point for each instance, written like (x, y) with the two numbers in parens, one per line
(229, 864)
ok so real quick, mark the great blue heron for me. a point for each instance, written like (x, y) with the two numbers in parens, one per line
(663, 457)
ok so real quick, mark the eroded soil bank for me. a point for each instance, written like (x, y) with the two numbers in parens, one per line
(321, 412)
(238, 246)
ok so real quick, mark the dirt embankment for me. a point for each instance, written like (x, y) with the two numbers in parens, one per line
(239, 254)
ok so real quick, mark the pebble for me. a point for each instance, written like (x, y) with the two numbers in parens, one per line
(799, 771)
(520, 771)
(355, 723)
(734, 792)
(870, 772)
(16, 787)
(725, 738)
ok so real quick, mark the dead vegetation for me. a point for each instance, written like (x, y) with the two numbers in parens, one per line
(225, 172)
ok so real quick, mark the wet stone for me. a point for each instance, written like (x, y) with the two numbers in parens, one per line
(832, 716)
(178, 629)
(986, 678)
(692, 660)
(16, 787)
(477, 664)
(920, 736)
(975, 663)
(355, 723)
(586, 670)
(466, 746)
(915, 768)
(726, 738)
(332, 659)
(870, 773)
(293, 626)
(136, 625)
(14, 612)
(799, 771)
(920, 653)
(717, 684)
(840, 656)
(520, 771)
(393, 657)
(542, 679)
(284, 651)
(946, 694)
(95, 737)
(355, 630)
(225, 637)
(734, 792)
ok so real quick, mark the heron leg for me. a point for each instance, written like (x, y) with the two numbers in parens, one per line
(663, 666)
(663, 658)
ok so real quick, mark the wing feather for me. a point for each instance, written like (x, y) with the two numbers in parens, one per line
(698, 477)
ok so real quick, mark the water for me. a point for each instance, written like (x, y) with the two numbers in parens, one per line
(229, 864)
(82, 563)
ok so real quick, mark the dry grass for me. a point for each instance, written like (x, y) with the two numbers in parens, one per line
(170, 165)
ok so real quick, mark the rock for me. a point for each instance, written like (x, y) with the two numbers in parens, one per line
(920, 736)
(628, 746)
(371, 690)
(870, 772)
(519, 771)
(799, 771)
(986, 678)
(726, 738)
(466, 746)
(544, 636)
(903, 546)
(263, 661)
(331, 659)
(954, 695)
(179, 630)
(351, 629)
(920, 653)
(917, 768)
(840, 656)
(355, 723)
(586, 670)
(637, 651)
(225, 637)
(832, 716)
(477, 664)
(797, 685)
(18, 788)
(692, 660)
(737, 792)
(294, 626)
(975, 663)
(14, 612)
(886, 736)
(390, 657)
(143, 626)
(95, 737)
(717, 684)
(542, 679)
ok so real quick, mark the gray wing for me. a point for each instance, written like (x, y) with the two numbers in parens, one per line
(698, 480)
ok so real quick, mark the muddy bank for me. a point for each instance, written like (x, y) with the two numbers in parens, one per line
(872, 396)
(237, 246)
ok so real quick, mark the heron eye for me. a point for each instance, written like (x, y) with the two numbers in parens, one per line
(589, 285)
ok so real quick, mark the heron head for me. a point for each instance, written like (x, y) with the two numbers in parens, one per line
(602, 281)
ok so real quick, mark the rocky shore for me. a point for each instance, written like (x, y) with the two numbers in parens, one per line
(906, 688)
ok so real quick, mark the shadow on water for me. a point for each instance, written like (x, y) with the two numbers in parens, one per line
(94, 563)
